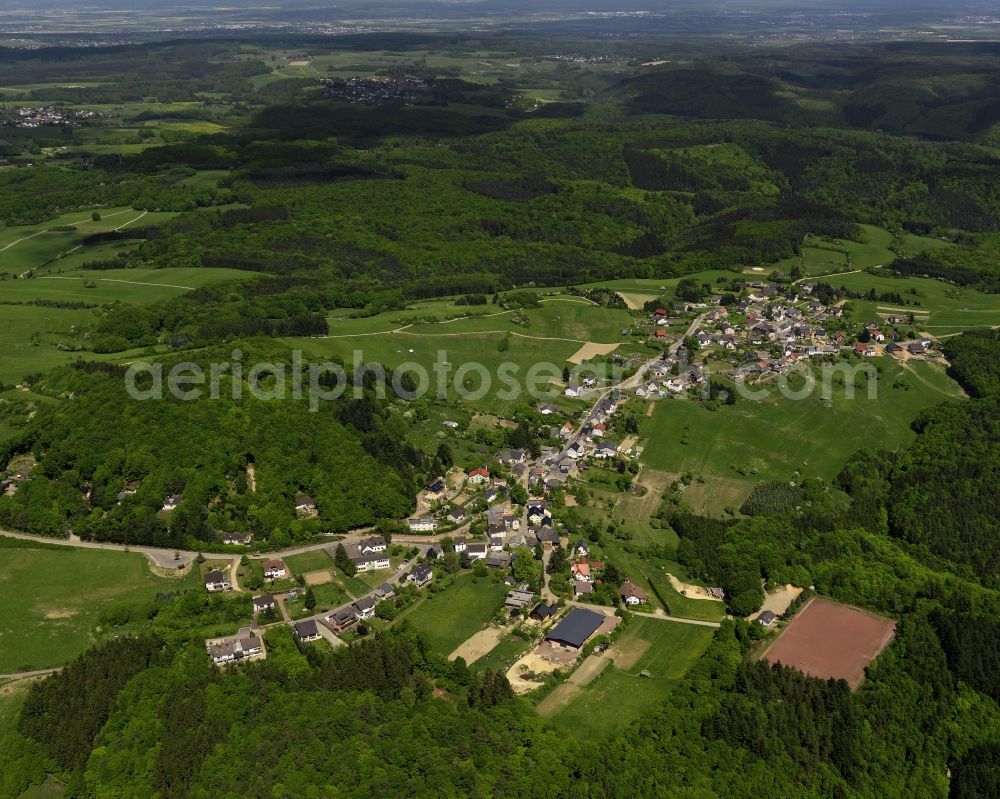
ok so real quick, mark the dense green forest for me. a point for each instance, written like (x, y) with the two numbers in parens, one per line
(350, 457)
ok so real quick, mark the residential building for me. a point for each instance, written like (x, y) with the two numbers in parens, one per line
(263, 602)
(245, 645)
(631, 594)
(216, 581)
(306, 630)
(421, 575)
(364, 607)
(275, 569)
(425, 524)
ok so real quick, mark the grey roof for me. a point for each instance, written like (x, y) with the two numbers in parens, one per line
(306, 629)
(215, 576)
(577, 627)
(364, 603)
(422, 572)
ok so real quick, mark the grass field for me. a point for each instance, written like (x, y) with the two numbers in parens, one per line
(503, 655)
(650, 657)
(452, 615)
(27, 247)
(309, 561)
(940, 308)
(53, 597)
(31, 336)
(774, 438)
(11, 698)
(132, 286)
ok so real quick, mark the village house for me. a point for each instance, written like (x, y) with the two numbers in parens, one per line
(171, 502)
(237, 538)
(434, 552)
(306, 630)
(582, 588)
(547, 409)
(263, 602)
(581, 571)
(216, 581)
(631, 594)
(510, 457)
(305, 505)
(364, 608)
(766, 619)
(421, 575)
(477, 551)
(548, 537)
(384, 591)
(478, 476)
(342, 618)
(275, 569)
(582, 548)
(245, 645)
(459, 542)
(606, 449)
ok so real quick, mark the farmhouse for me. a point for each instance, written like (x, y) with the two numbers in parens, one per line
(574, 630)
(275, 569)
(245, 645)
(216, 580)
(518, 599)
(306, 630)
(499, 560)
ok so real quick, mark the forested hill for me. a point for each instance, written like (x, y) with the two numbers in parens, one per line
(108, 461)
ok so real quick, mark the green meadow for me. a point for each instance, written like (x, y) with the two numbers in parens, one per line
(938, 307)
(450, 616)
(53, 597)
(656, 655)
(776, 438)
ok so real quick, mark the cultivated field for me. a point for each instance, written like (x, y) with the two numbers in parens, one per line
(831, 641)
